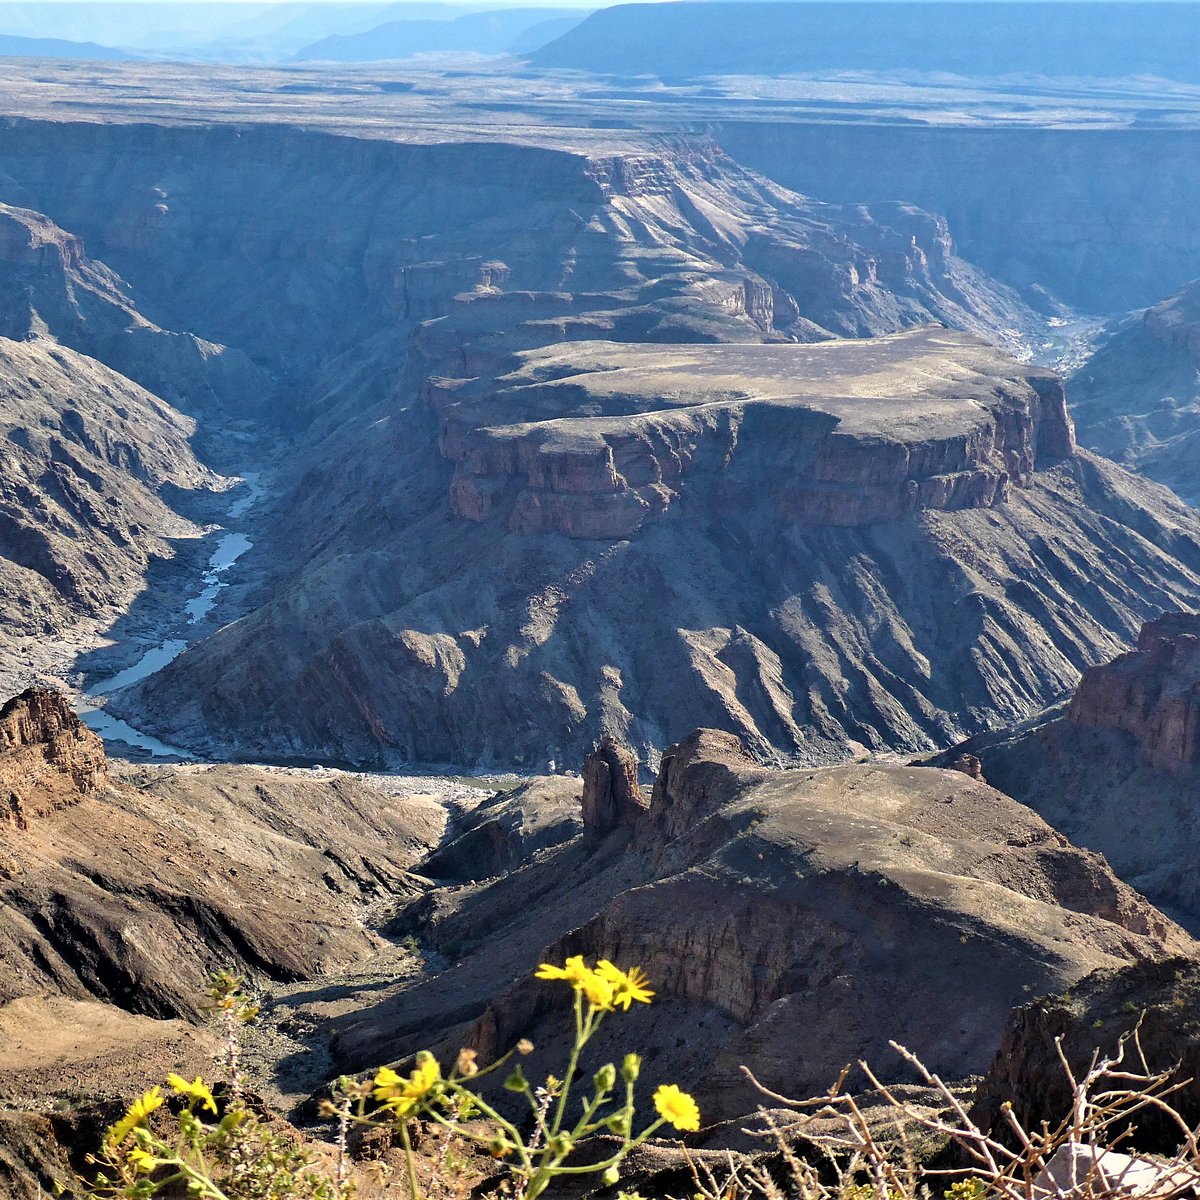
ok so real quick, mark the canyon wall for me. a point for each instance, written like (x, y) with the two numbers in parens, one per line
(1137, 396)
(485, 553)
(1100, 218)
(1117, 767)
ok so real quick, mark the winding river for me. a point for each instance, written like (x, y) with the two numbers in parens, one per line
(230, 546)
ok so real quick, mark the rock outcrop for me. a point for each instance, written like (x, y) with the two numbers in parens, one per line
(1117, 768)
(48, 757)
(1152, 692)
(130, 887)
(1161, 998)
(612, 796)
(792, 921)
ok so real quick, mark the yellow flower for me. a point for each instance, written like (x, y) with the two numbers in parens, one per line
(135, 1115)
(575, 971)
(627, 986)
(142, 1161)
(677, 1107)
(598, 989)
(402, 1095)
(197, 1091)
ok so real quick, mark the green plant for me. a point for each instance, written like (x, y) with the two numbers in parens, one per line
(539, 1157)
(159, 1147)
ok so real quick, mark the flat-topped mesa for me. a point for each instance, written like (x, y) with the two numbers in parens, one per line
(48, 758)
(1152, 692)
(592, 439)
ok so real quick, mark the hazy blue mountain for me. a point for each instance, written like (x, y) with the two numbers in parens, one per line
(211, 30)
(27, 47)
(501, 31)
(979, 39)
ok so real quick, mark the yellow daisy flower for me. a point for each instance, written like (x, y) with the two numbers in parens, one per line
(197, 1091)
(574, 971)
(598, 989)
(677, 1108)
(627, 986)
(135, 1115)
(142, 1161)
(402, 1095)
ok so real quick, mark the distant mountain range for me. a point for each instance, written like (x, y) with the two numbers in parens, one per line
(689, 39)
(507, 31)
(273, 33)
(28, 47)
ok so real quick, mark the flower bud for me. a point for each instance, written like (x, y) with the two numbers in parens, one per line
(610, 1177)
(631, 1067)
(606, 1077)
(560, 1145)
(619, 1123)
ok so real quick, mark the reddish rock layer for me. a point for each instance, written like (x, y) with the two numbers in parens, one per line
(48, 757)
(1152, 692)
(611, 794)
(593, 439)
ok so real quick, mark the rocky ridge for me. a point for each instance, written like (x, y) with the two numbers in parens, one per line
(1116, 767)
(131, 886)
(851, 903)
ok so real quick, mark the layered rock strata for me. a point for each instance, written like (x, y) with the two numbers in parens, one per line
(131, 888)
(598, 437)
(885, 542)
(1152, 692)
(48, 757)
(1117, 767)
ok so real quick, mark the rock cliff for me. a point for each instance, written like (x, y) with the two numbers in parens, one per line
(129, 887)
(1136, 397)
(1088, 232)
(592, 440)
(886, 543)
(791, 920)
(1161, 998)
(48, 757)
(1152, 692)
(1117, 767)
(203, 264)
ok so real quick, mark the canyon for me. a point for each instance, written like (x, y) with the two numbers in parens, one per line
(808, 557)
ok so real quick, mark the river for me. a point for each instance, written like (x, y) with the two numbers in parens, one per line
(230, 546)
